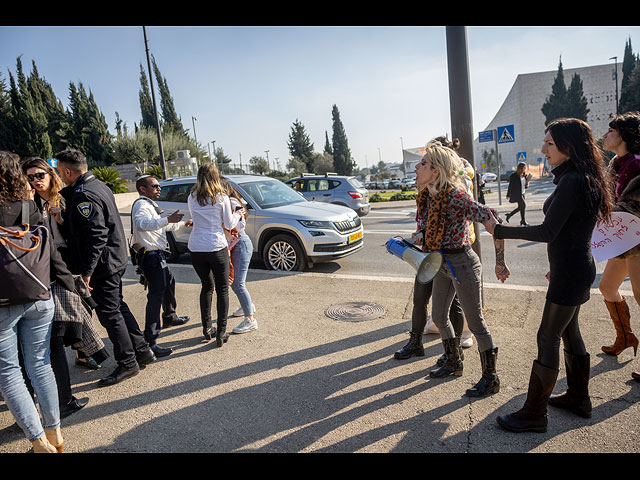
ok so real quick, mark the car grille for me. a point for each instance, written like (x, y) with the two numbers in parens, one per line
(335, 247)
(348, 225)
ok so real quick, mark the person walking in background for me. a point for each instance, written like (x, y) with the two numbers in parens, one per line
(581, 198)
(241, 254)
(448, 210)
(518, 183)
(27, 326)
(149, 240)
(96, 236)
(210, 209)
(623, 138)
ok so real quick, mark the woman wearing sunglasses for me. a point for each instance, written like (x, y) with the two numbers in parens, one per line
(47, 185)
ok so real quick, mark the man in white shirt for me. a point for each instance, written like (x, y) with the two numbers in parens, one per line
(150, 240)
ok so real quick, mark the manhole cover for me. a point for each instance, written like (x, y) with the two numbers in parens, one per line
(355, 311)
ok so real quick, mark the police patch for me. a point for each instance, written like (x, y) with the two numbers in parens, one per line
(85, 209)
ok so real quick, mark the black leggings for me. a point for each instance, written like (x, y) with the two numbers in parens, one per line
(213, 270)
(559, 322)
(521, 207)
(421, 297)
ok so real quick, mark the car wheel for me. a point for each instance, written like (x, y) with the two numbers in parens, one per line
(173, 248)
(283, 252)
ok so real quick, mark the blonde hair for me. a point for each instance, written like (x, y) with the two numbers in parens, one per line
(448, 164)
(208, 185)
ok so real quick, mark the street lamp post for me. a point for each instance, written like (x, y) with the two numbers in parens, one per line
(615, 77)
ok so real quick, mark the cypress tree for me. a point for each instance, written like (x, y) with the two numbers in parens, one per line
(146, 103)
(327, 144)
(170, 118)
(576, 101)
(555, 106)
(8, 140)
(342, 160)
(630, 86)
(300, 145)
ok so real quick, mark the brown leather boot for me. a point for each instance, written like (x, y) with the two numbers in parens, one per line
(635, 376)
(619, 312)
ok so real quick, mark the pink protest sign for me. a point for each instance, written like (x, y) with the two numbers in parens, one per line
(616, 237)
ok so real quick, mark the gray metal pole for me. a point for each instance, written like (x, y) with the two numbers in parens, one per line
(460, 108)
(155, 108)
(460, 101)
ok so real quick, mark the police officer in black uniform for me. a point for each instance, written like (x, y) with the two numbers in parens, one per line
(93, 228)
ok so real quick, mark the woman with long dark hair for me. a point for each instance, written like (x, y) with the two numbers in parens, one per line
(581, 198)
(210, 210)
(623, 138)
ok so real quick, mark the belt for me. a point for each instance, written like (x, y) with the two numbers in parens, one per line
(453, 251)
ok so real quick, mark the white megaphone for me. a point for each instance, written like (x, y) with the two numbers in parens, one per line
(425, 264)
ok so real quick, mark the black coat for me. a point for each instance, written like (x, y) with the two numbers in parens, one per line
(93, 228)
(11, 215)
(515, 190)
(567, 229)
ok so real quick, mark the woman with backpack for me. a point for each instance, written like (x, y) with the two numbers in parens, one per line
(28, 323)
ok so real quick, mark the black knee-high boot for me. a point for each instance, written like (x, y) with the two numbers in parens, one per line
(576, 399)
(532, 417)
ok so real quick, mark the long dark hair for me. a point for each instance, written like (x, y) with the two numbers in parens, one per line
(628, 125)
(574, 138)
(13, 182)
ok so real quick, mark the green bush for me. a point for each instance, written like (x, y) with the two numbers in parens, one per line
(111, 177)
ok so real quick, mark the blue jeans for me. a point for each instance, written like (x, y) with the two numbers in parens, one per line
(29, 324)
(240, 258)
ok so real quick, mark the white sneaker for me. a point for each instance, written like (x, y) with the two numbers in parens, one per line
(430, 327)
(246, 326)
(240, 312)
(466, 341)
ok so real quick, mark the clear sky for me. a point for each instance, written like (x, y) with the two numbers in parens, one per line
(247, 85)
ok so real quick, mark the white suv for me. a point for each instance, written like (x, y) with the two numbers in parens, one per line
(288, 232)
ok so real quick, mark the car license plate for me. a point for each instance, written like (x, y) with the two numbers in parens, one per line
(354, 237)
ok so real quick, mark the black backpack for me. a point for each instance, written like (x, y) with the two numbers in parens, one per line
(25, 255)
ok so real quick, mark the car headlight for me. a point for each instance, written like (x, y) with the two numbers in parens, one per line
(315, 224)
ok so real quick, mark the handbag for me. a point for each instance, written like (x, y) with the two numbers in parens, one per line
(25, 255)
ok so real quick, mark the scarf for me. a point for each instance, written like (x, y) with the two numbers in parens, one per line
(436, 215)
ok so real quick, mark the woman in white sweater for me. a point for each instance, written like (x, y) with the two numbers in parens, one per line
(210, 208)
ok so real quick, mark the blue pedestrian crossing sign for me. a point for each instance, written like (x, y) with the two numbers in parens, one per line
(506, 134)
(486, 136)
(521, 156)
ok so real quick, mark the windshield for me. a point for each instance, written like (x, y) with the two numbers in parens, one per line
(271, 193)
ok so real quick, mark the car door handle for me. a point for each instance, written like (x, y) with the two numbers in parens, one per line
(326, 195)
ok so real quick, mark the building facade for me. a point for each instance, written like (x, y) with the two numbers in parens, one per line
(522, 108)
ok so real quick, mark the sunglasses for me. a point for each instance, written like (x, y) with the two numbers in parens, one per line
(36, 176)
(154, 185)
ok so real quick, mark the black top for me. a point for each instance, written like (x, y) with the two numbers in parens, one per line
(93, 228)
(515, 190)
(567, 228)
(11, 215)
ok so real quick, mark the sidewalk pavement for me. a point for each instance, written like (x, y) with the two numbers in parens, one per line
(304, 382)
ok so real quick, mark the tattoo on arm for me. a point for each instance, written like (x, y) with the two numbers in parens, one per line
(499, 245)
